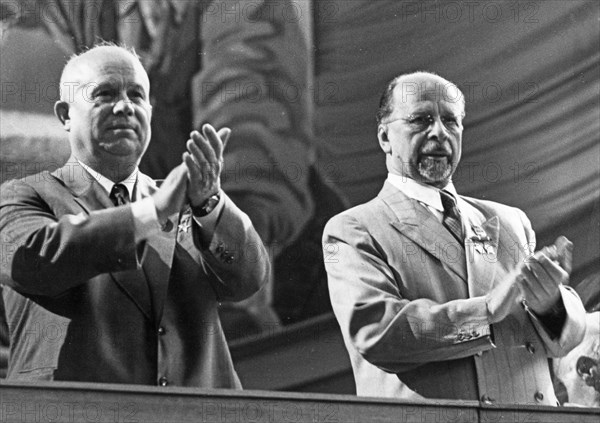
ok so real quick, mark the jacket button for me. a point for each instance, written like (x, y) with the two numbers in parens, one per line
(486, 399)
(475, 334)
(479, 353)
(161, 330)
(530, 348)
(167, 226)
(539, 397)
(163, 381)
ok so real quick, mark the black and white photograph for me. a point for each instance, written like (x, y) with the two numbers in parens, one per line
(299, 211)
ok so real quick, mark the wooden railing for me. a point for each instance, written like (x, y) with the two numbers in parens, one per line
(67, 402)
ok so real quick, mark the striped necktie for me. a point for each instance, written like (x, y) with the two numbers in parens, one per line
(451, 220)
(119, 195)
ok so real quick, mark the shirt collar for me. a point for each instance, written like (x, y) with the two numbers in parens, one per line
(107, 184)
(423, 193)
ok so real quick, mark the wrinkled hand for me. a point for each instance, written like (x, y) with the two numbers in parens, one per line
(204, 162)
(504, 297)
(170, 197)
(543, 274)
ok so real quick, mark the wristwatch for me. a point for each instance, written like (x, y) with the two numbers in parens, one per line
(209, 205)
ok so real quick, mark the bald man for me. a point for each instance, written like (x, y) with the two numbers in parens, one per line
(440, 295)
(110, 278)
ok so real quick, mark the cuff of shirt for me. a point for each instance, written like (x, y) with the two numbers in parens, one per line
(145, 219)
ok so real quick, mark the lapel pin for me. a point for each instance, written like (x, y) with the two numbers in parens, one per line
(489, 248)
(185, 224)
(479, 248)
(480, 234)
(481, 241)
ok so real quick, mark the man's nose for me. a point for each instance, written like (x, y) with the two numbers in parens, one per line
(124, 106)
(437, 130)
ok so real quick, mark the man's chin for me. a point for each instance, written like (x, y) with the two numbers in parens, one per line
(123, 147)
(435, 170)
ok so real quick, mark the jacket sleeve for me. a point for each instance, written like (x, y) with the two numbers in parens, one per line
(235, 256)
(389, 331)
(573, 329)
(46, 255)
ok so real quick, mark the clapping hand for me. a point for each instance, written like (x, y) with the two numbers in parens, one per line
(204, 162)
(170, 197)
(537, 280)
(543, 273)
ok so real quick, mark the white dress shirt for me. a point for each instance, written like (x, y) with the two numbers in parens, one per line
(425, 194)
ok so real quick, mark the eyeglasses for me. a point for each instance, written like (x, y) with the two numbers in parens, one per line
(424, 121)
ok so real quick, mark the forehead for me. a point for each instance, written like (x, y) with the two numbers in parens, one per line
(426, 95)
(105, 70)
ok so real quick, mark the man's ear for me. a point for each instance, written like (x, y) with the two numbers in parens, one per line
(384, 142)
(61, 110)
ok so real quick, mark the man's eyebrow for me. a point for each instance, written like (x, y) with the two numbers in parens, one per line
(451, 112)
(420, 111)
(135, 85)
(138, 87)
(102, 85)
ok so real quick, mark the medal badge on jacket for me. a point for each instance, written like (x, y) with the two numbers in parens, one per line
(481, 242)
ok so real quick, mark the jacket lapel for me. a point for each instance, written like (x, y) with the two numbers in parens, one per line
(158, 254)
(481, 245)
(90, 196)
(88, 193)
(418, 224)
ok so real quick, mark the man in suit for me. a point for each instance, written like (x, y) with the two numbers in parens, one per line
(440, 295)
(241, 64)
(109, 278)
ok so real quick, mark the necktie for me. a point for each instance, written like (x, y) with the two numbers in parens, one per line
(119, 195)
(451, 218)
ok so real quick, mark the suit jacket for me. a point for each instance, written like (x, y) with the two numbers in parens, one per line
(410, 302)
(85, 303)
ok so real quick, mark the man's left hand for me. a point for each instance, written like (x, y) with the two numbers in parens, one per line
(542, 279)
(204, 162)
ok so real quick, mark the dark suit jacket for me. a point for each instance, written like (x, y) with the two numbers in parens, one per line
(410, 302)
(84, 302)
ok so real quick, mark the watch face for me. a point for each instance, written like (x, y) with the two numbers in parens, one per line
(208, 206)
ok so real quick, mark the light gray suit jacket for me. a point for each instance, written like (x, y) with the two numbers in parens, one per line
(410, 302)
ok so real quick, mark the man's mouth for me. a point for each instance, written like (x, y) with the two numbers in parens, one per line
(121, 127)
(436, 155)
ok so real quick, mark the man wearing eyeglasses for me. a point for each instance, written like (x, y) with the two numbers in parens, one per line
(440, 295)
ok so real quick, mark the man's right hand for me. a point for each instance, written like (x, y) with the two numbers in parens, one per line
(502, 299)
(171, 196)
